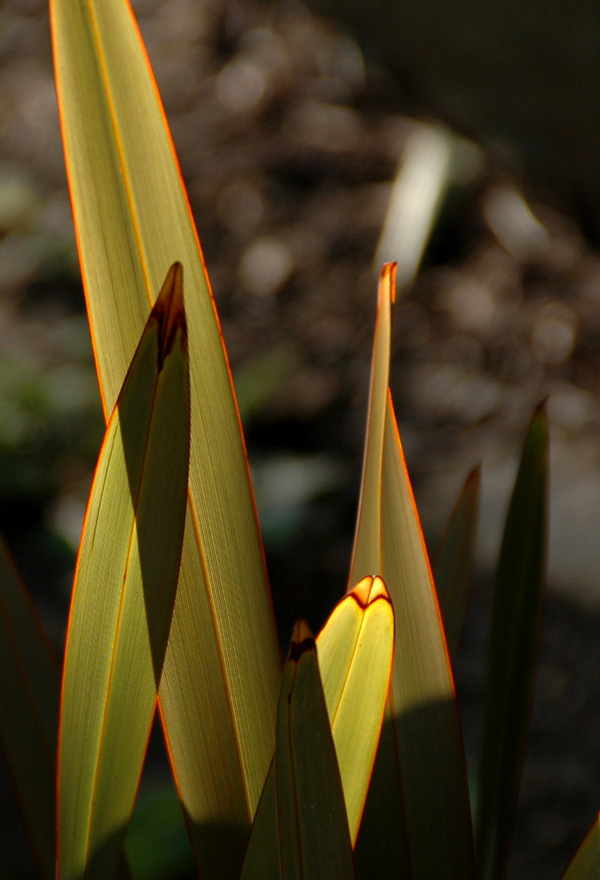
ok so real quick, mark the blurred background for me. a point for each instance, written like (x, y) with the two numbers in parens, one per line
(290, 134)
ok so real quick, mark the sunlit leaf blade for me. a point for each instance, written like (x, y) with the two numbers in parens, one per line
(123, 596)
(132, 220)
(355, 650)
(355, 654)
(427, 753)
(366, 553)
(29, 698)
(586, 863)
(513, 653)
(453, 568)
(314, 841)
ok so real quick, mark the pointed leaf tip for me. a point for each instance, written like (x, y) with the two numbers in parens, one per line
(170, 313)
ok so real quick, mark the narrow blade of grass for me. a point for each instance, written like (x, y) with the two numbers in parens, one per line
(424, 782)
(132, 221)
(30, 689)
(314, 840)
(453, 569)
(513, 653)
(123, 596)
(586, 862)
(355, 655)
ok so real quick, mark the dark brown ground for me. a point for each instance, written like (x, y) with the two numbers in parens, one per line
(288, 145)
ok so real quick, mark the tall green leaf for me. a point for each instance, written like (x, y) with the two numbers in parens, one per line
(418, 815)
(314, 840)
(453, 569)
(29, 698)
(513, 653)
(219, 689)
(123, 596)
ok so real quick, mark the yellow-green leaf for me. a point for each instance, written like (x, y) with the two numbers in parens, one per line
(366, 553)
(423, 782)
(354, 650)
(314, 841)
(513, 653)
(586, 862)
(133, 220)
(29, 698)
(453, 569)
(123, 596)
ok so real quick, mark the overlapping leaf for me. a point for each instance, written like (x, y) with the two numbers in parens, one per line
(355, 656)
(123, 596)
(314, 840)
(219, 690)
(513, 653)
(423, 783)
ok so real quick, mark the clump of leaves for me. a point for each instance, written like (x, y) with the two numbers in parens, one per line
(348, 760)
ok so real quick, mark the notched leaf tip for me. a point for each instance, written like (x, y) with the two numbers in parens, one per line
(369, 589)
(170, 313)
(302, 640)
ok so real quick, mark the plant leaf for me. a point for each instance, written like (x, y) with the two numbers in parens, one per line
(133, 220)
(354, 650)
(314, 840)
(30, 692)
(367, 550)
(422, 781)
(453, 569)
(586, 862)
(513, 652)
(123, 596)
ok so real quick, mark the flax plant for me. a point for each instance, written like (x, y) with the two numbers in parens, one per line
(346, 760)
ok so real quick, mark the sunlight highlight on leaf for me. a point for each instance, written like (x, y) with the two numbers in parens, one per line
(132, 221)
(423, 783)
(355, 649)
